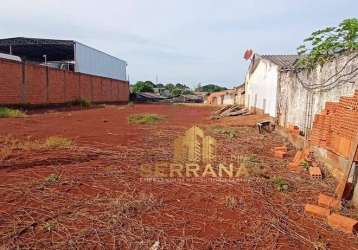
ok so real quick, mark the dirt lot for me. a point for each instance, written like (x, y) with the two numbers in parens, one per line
(91, 195)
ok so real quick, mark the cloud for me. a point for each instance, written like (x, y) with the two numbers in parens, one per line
(181, 41)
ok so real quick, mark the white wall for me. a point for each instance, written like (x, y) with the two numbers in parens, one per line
(95, 62)
(293, 97)
(261, 87)
(229, 99)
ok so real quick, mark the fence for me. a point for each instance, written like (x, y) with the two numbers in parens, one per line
(26, 83)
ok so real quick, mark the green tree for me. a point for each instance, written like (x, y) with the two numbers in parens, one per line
(210, 88)
(169, 87)
(141, 86)
(323, 45)
(176, 92)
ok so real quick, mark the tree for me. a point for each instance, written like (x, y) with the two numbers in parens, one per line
(210, 88)
(176, 92)
(169, 87)
(323, 45)
(141, 86)
(159, 85)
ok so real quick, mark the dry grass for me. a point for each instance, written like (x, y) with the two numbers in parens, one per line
(144, 119)
(5, 153)
(53, 178)
(228, 132)
(58, 142)
(11, 113)
(250, 166)
(231, 201)
(10, 144)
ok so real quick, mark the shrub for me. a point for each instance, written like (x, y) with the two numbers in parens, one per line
(10, 113)
(280, 184)
(58, 142)
(144, 118)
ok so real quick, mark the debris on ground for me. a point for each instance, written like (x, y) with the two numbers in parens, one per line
(230, 110)
(267, 126)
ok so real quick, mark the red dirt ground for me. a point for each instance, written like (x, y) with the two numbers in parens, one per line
(100, 201)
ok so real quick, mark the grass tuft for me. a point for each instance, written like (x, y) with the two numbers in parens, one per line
(250, 166)
(144, 119)
(53, 178)
(11, 113)
(58, 142)
(280, 183)
(228, 132)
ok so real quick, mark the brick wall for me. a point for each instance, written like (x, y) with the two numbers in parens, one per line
(24, 83)
(336, 127)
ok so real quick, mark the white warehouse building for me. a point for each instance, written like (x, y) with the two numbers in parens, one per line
(66, 54)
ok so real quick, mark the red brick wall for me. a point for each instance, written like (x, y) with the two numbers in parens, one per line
(10, 82)
(34, 84)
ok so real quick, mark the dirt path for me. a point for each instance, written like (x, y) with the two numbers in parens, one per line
(92, 195)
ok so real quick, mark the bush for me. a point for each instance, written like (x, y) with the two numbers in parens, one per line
(58, 142)
(144, 118)
(10, 113)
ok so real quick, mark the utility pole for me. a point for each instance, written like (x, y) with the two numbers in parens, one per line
(156, 79)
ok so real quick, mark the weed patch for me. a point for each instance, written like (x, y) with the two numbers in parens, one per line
(250, 166)
(228, 132)
(53, 178)
(58, 142)
(280, 183)
(11, 113)
(144, 119)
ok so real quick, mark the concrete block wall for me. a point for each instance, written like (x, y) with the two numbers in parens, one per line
(25, 83)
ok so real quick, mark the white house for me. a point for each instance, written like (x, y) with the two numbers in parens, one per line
(262, 79)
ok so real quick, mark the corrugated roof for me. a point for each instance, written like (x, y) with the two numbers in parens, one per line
(284, 61)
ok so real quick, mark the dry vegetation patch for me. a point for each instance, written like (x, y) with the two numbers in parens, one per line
(58, 142)
(228, 132)
(144, 118)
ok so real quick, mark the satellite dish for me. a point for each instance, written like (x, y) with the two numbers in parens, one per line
(248, 54)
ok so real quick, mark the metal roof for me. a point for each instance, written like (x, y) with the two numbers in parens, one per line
(35, 48)
(34, 41)
(284, 61)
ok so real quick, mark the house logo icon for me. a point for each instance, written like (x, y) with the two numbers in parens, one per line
(194, 147)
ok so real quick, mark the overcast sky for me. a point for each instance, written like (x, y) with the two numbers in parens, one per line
(187, 41)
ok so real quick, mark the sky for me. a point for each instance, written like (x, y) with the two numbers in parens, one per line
(177, 41)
